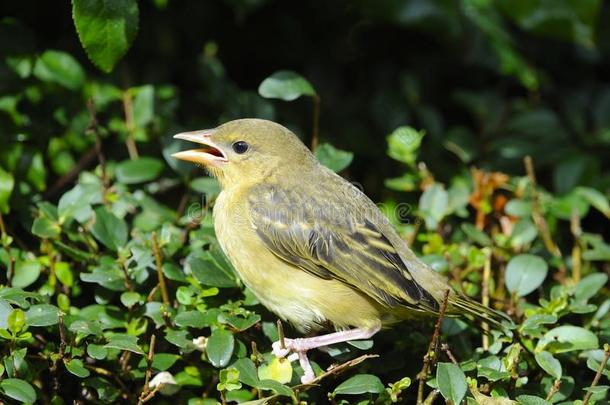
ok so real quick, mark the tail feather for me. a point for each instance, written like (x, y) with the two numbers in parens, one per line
(460, 304)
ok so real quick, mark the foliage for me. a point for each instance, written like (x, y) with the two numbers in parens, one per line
(113, 286)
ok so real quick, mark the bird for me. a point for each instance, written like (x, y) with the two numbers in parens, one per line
(311, 246)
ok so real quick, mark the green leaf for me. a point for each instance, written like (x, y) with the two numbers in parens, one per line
(567, 338)
(109, 229)
(16, 320)
(589, 286)
(5, 311)
(247, 371)
(76, 367)
(404, 143)
(124, 342)
(130, 298)
(97, 352)
(139, 170)
(26, 273)
(42, 315)
(276, 387)
(7, 182)
(18, 389)
(451, 382)
(144, 105)
(61, 68)
(45, 228)
(360, 384)
(194, 319)
(333, 158)
(525, 273)
(209, 271)
(595, 198)
(433, 205)
(220, 347)
(106, 29)
(549, 364)
(285, 85)
(476, 235)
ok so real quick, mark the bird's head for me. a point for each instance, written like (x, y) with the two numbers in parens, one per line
(246, 150)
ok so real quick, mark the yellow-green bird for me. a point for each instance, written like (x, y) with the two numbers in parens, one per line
(313, 248)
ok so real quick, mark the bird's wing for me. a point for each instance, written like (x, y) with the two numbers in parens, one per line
(335, 241)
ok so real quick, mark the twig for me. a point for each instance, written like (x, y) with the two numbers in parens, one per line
(159, 262)
(54, 369)
(84, 161)
(431, 397)
(92, 128)
(430, 354)
(445, 348)
(577, 249)
(598, 375)
(485, 296)
(130, 142)
(149, 361)
(128, 282)
(556, 386)
(280, 334)
(315, 131)
(539, 220)
(336, 370)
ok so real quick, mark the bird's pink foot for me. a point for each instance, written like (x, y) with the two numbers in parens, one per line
(294, 349)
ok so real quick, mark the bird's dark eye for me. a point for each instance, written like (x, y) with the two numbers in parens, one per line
(240, 147)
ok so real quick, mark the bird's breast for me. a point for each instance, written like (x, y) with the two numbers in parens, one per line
(305, 300)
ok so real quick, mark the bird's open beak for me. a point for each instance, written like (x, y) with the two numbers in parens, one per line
(210, 154)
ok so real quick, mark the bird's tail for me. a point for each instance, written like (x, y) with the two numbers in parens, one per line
(460, 305)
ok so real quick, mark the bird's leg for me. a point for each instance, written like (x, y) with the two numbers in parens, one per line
(300, 346)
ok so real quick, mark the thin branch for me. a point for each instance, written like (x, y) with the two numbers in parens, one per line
(576, 231)
(539, 220)
(445, 348)
(556, 386)
(149, 361)
(598, 375)
(429, 357)
(85, 160)
(161, 277)
(130, 142)
(280, 334)
(485, 296)
(92, 128)
(336, 370)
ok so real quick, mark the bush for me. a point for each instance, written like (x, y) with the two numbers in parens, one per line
(114, 287)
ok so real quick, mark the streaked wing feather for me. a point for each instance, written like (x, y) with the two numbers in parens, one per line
(333, 243)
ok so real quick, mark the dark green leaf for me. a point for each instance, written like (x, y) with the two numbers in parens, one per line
(549, 364)
(139, 170)
(124, 342)
(6, 188)
(567, 338)
(61, 68)
(18, 389)
(76, 367)
(220, 347)
(26, 273)
(194, 319)
(360, 384)
(42, 315)
(247, 371)
(333, 158)
(451, 382)
(109, 229)
(106, 29)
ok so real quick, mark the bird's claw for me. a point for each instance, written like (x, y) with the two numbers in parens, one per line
(280, 352)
